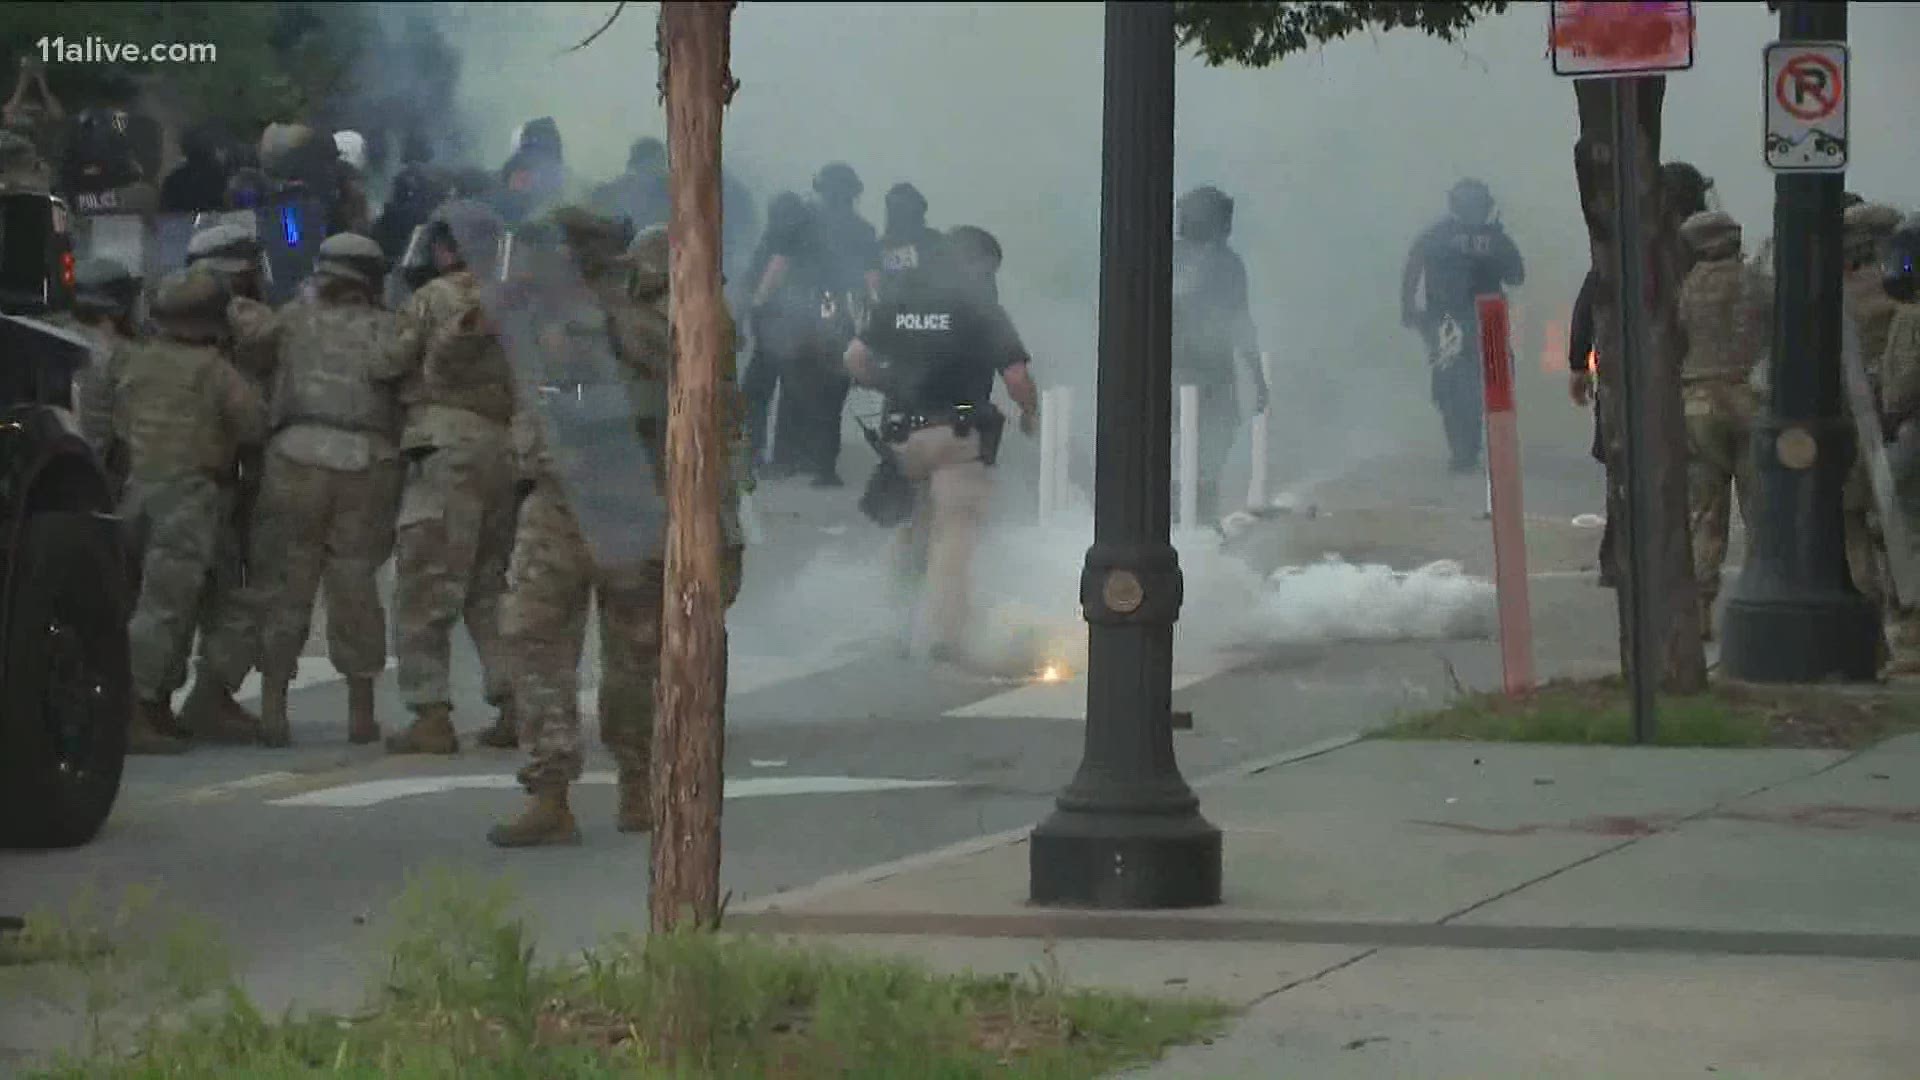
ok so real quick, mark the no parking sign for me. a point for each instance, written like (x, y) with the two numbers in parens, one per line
(1807, 100)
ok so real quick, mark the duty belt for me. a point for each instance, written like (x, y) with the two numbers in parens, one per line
(964, 419)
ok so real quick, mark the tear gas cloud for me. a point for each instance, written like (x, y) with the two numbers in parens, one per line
(1335, 157)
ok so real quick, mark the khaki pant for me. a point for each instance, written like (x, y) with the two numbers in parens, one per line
(1719, 444)
(952, 488)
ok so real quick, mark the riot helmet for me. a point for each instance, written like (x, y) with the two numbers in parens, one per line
(838, 184)
(906, 209)
(350, 257)
(101, 155)
(1470, 202)
(1685, 189)
(1896, 263)
(541, 136)
(647, 154)
(1203, 215)
(352, 149)
(469, 233)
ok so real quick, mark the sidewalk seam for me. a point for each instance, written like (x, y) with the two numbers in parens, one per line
(853, 879)
(1306, 979)
(1623, 845)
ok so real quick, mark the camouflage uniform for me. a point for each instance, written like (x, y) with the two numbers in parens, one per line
(1725, 312)
(229, 613)
(1872, 310)
(580, 539)
(457, 502)
(182, 410)
(331, 483)
(1899, 371)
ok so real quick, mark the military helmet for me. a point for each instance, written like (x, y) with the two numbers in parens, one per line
(651, 255)
(1470, 201)
(1864, 227)
(190, 301)
(351, 257)
(1203, 214)
(1712, 234)
(225, 248)
(104, 286)
(646, 153)
(1896, 261)
(283, 146)
(837, 180)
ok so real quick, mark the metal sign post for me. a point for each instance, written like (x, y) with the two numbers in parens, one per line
(1621, 43)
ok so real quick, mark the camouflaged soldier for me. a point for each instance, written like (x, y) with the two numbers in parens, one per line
(1726, 313)
(229, 627)
(104, 295)
(1866, 228)
(330, 485)
(457, 502)
(589, 532)
(1899, 369)
(182, 411)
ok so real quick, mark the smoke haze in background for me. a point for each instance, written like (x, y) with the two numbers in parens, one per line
(1336, 158)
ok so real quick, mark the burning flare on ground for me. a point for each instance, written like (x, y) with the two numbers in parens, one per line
(1052, 672)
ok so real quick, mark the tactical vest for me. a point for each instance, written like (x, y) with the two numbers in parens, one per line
(1722, 313)
(167, 411)
(465, 367)
(325, 350)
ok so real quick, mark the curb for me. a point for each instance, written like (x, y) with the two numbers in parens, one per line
(878, 872)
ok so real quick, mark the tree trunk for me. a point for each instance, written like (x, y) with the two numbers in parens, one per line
(1675, 593)
(689, 718)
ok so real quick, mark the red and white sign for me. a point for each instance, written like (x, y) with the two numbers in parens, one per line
(1807, 104)
(1503, 496)
(1593, 40)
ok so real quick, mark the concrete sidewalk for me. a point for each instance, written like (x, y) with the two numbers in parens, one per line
(1471, 910)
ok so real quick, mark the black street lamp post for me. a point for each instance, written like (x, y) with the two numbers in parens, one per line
(1793, 614)
(1127, 832)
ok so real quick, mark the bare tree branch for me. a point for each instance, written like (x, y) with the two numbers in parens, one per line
(617, 9)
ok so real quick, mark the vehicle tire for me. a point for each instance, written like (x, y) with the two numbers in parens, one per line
(66, 687)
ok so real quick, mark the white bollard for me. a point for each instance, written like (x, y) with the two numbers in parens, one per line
(1048, 399)
(1063, 451)
(1189, 457)
(1257, 437)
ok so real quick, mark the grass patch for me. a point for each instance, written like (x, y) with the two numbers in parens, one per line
(1597, 712)
(464, 995)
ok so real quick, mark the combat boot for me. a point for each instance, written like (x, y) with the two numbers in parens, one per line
(430, 733)
(361, 726)
(211, 715)
(275, 732)
(546, 821)
(636, 803)
(505, 732)
(146, 731)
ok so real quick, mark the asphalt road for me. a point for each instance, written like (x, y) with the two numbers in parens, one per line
(841, 753)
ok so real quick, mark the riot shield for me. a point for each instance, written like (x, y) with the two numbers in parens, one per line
(578, 403)
(1862, 403)
(290, 232)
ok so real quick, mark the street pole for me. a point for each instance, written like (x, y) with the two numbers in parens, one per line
(1127, 832)
(1643, 652)
(1793, 614)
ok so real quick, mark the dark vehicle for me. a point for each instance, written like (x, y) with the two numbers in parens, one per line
(65, 685)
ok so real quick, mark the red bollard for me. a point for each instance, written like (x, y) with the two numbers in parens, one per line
(1503, 480)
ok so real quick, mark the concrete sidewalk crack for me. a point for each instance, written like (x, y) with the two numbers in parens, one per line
(1305, 980)
(1684, 821)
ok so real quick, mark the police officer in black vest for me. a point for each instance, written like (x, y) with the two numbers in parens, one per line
(932, 348)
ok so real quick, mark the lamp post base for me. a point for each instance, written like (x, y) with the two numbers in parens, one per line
(1806, 639)
(1125, 861)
